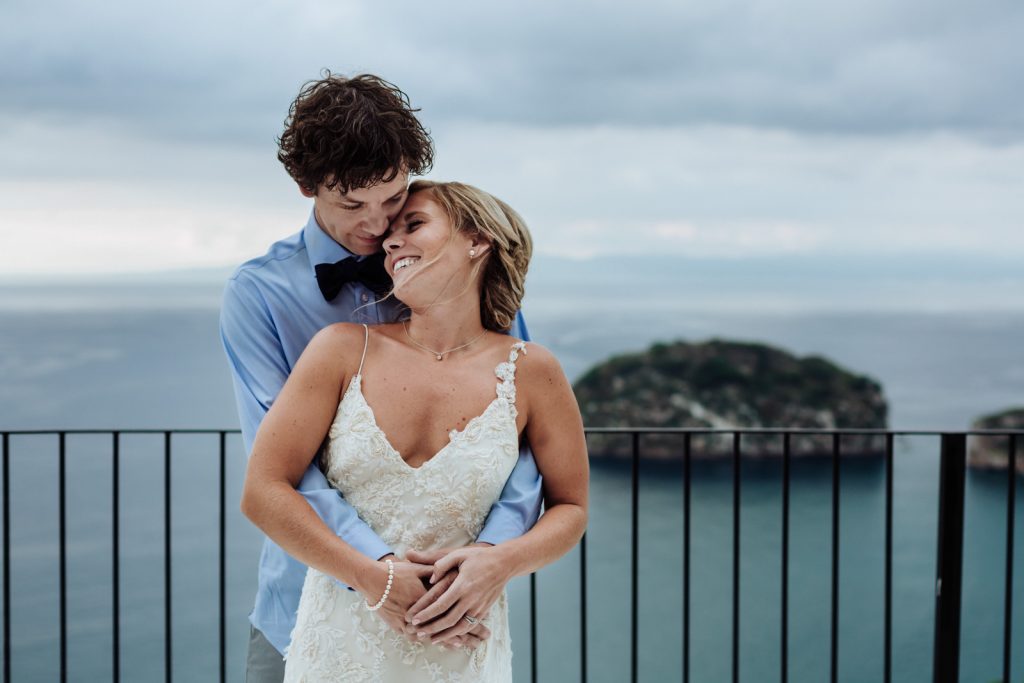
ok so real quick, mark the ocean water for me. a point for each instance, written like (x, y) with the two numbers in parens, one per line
(101, 358)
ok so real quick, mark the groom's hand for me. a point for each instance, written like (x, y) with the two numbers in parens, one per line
(407, 588)
(479, 578)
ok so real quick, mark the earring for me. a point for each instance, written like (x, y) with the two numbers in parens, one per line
(472, 253)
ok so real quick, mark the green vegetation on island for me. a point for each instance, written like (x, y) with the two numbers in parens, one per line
(728, 385)
(992, 451)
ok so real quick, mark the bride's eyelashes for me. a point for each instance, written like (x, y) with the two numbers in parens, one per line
(409, 227)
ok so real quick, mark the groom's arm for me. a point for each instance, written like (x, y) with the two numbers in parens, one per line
(259, 370)
(518, 508)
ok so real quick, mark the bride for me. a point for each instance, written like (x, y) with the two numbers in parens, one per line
(420, 423)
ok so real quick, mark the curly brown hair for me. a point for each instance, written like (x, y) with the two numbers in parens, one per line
(348, 133)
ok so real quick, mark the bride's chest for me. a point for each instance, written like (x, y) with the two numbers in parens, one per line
(419, 417)
(470, 466)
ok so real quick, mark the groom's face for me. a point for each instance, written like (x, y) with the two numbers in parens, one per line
(359, 218)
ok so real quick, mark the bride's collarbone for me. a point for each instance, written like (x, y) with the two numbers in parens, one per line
(425, 412)
(439, 402)
(409, 391)
(417, 370)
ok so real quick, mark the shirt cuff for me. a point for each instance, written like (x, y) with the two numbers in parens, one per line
(499, 530)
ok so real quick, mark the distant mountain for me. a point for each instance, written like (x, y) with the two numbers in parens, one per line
(728, 385)
(185, 276)
(663, 284)
(797, 282)
(658, 281)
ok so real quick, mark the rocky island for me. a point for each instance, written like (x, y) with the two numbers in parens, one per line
(991, 451)
(728, 385)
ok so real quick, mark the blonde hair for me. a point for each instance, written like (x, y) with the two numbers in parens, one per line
(472, 210)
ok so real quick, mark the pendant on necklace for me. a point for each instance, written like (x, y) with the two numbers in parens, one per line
(440, 356)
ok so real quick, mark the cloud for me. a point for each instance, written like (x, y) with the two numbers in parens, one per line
(727, 129)
(751, 238)
(706, 192)
(583, 240)
(105, 227)
(748, 189)
(226, 71)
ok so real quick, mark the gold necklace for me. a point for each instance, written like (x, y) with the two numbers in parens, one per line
(439, 354)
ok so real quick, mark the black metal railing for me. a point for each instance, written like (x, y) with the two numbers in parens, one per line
(115, 587)
(952, 476)
(948, 594)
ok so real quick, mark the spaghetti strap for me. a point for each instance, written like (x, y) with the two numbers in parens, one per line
(366, 343)
(506, 372)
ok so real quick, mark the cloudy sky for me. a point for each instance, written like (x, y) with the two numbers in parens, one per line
(140, 136)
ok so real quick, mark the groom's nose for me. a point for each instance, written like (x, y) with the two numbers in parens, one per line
(377, 222)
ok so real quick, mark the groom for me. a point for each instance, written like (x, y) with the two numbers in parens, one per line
(351, 144)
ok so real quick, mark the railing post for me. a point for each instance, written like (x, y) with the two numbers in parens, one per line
(634, 565)
(1011, 509)
(62, 557)
(7, 554)
(949, 567)
(168, 633)
(115, 560)
(222, 556)
(533, 627)
(736, 485)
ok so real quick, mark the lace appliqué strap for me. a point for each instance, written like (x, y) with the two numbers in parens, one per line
(506, 372)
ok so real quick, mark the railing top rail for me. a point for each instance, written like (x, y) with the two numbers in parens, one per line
(22, 432)
(801, 430)
(596, 430)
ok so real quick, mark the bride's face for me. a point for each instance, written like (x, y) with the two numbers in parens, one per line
(426, 262)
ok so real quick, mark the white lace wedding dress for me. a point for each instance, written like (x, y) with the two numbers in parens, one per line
(441, 504)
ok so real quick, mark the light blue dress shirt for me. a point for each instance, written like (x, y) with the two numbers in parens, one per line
(272, 308)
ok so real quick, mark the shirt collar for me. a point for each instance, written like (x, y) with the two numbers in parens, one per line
(320, 246)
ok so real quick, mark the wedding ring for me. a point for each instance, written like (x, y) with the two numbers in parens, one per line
(472, 621)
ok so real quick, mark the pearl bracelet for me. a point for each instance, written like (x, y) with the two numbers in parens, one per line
(387, 588)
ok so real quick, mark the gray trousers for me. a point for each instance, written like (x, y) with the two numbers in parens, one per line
(263, 663)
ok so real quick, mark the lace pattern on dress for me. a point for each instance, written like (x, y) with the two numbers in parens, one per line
(442, 503)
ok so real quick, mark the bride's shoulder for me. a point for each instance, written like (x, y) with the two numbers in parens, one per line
(530, 348)
(543, 387)
(334, 340)
(536, 363)
(341, 333)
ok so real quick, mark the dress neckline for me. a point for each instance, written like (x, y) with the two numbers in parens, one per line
(453, 435)
(505, 395)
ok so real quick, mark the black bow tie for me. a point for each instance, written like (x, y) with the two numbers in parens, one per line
(370, 271)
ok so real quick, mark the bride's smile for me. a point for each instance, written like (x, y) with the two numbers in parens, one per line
(422, 247)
